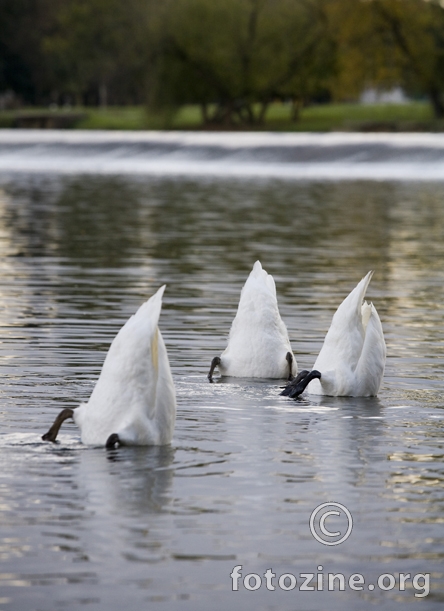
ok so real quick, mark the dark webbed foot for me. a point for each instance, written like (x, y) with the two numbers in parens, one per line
(112, 441)
(291, 384)
(297, 386)
(51, 435)
(289, 357)
(214, 363)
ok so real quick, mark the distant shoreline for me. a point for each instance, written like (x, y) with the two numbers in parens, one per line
(349, 117)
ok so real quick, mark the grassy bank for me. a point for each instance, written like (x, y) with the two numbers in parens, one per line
(415, 116)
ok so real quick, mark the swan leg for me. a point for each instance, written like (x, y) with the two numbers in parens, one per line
(51, 435)
(112, 441)
(292, 383)
(299, 384)
(214, 363)
(290, 359)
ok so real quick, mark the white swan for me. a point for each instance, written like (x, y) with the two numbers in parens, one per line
(352, 359)
(134, 401)
(258, 343)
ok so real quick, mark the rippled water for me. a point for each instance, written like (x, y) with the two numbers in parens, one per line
(163, 528)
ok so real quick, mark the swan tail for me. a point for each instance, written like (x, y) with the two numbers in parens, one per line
(127, 346)
(150, 310)
(259, 280)
(351, 307)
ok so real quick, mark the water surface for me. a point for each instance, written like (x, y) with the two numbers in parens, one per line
(162, 528)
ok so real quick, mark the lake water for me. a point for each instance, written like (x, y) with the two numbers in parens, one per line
(82, 246)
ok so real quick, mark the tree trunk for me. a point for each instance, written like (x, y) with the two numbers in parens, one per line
(296, 105)
(103, 95)
(437, 103)
(204, 111)
(262, 112)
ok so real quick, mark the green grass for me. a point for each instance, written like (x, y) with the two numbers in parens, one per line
(138, 117)
(415, 116)
(113, 118)
(354, 117)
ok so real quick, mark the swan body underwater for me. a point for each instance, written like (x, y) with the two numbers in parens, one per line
(352, 359)
(134, 401)
(258, 343)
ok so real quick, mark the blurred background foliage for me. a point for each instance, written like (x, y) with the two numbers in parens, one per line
(231, 59)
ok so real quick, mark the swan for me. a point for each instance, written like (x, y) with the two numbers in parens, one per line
(258, 343)
(134, 401)
(352, 359)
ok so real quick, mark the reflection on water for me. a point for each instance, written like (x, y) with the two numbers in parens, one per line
(164, 527)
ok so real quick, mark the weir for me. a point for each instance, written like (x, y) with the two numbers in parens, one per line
(326, 156)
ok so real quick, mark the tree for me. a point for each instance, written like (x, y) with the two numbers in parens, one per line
(22, 64)
(96, 50)
(391, 42)
(234, 57)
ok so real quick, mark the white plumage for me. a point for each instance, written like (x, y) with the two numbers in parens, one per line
(134, 401)
(258, 343)
(352, 358)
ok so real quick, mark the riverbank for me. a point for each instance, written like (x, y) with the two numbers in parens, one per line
(411, 117)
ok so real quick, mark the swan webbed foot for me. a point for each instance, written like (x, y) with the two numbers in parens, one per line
(51, 435)
(214, 363)
(297, 386)
(112, 441)
(292, 383)
(289, 358)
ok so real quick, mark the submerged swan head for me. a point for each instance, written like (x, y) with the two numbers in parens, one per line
(258, 343)
(133, 402)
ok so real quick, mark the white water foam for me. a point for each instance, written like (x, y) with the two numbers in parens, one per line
(329, 156)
